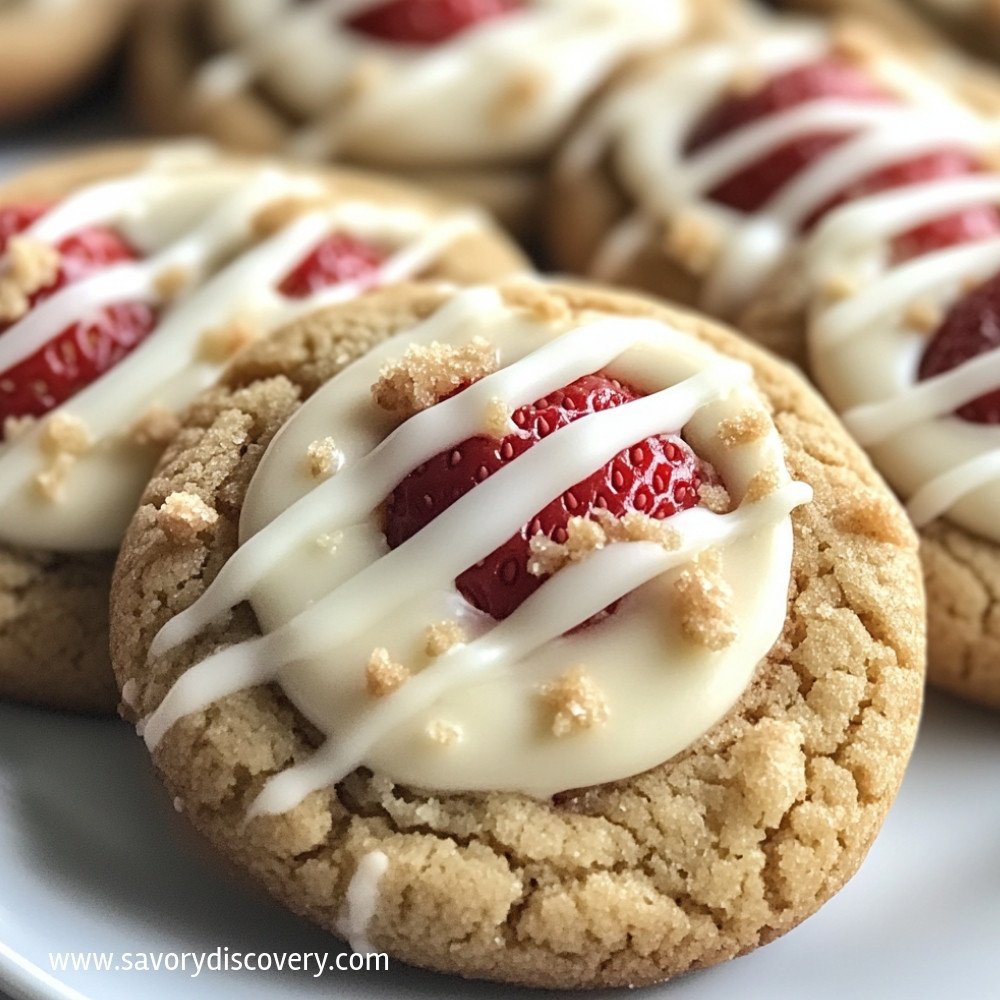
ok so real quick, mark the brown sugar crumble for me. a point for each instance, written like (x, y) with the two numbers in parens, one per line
(276, 215)
(577, 702)
(746, 427)
(221, 343)
(171, 282)
(443, 733)
(703, 602)
(31, 265)
(17, 427)
(762, 485)
(585, 535)
(497, 423)
(518, 97)
(692, 240)
(383, 675)
(442, 636)
(923, 316)
(64, 438)
(157, 426)
(184, 516)
(426, 374)
(838, 287)
(715, 497)
(323, 458)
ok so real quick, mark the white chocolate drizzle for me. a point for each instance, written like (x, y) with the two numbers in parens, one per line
(322, 616)
(646, 123)
(194, 217)
(361, 901)
(510, 84)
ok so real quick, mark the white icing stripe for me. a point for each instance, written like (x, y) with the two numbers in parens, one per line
(937, 496)
(459, 538)
(726, 156)
(572, 596)
(881, 301)
(362, 900)
(387, 97)
(939, 396)
(352, 494)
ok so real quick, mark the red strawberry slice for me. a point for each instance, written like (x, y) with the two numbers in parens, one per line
(81, 353)
(428, 22)
(757, 183)
(339, 258)
(657, 477)
(971, 328)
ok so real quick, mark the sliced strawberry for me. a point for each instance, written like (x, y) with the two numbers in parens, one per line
(757, 183)
(82, 352)
(428, 22)
(338, 259)
(971, 328)
(657, 477)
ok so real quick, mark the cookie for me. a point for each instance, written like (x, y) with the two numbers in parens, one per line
(651, 729)
(50, 49)
(129, 277)
(466, 96)
(859, 235)
(661, 189)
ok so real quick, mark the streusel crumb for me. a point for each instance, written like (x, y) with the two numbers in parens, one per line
(383, 675)
(31, 265)
(924, 316)
(157, 426)
(762, 485)
(170, 282)
(693, 241)
(703, 601)
(183, 516)
(715, 497)
(442, 636)
(323, 458)
(443, 733)
(426, 374)
(746, 427)
(497, 423)
(577, 702)
(518, 97)
(221, 343)
(17, 427)
(64, 434)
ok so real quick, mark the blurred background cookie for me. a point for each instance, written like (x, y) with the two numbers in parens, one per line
(469, 95)
(50, 48)
(128, 279)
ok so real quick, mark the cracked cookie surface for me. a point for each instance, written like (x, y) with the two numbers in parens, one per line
(722, 848)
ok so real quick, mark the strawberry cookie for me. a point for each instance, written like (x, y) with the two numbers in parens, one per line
(466, 94)
(537, 634)
(698, 175)
(50, 47)
(127, 281)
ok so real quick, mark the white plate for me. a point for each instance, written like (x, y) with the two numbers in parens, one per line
(94, 858)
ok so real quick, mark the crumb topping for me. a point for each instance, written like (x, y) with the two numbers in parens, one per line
(715, 497)
(518, 97)
(548, 309)
(157, 426)
(585, 535)
(383, 675)
(762, 485)
(838, 287)
(31, 265)
(746, 427)
(576, 701)
(442, 636)
(184, 516)
(497, 422)
(63, 440)
(221, 343)
(17, 427)
(426, 374)
(171, 281)
(856, 42)
(924, 316)
(703, 602)
(443, 733)
(278, 214)
(51, 481)
(692, 240)
(323, 458)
